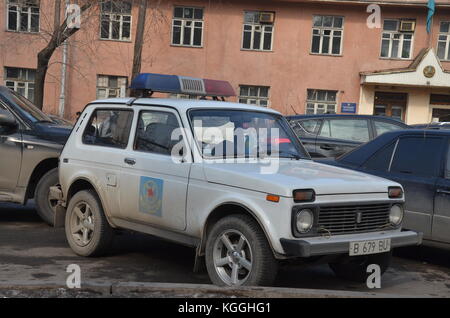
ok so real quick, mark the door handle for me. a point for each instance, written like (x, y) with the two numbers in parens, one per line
(130, 161)
(327, 147)
(440, 191)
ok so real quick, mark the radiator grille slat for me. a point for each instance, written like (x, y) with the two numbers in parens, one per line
(354, 219)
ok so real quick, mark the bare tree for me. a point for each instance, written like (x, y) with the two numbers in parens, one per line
(61, 32)
(137, 56)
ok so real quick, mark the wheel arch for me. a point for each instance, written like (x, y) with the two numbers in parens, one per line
(39, 171)
(225, 209)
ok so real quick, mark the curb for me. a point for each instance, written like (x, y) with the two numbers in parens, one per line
(160, 290)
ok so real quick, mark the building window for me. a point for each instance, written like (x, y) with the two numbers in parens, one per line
(395, 44)
(115, 20)
(111, 86)
(258, 30)
(443, 49)
(21, 80)
(23, 15)
(321, 102)
(254, 95)
(187, 26)
(327, 35)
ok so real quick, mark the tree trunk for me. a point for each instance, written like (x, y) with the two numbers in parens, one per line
(137, 55)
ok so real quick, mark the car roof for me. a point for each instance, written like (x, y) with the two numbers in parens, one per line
(182, 104)
(294, 117)
(362, 153)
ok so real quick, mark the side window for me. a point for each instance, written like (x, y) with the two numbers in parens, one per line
(154, 132)
(109, 128)
(381, 160)
(381, 127)
(346, 129)
(310, 126)
(413, 156)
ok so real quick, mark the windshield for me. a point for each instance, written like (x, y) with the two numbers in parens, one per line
(238, 133)
(27, 109)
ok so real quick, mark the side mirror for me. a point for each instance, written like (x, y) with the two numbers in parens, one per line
(7, 122)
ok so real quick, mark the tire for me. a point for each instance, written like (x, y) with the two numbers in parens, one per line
(255, 250)
(354, 268)
(44, 205)
(99, 233)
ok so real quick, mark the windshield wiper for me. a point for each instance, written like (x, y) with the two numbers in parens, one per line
(287, 154)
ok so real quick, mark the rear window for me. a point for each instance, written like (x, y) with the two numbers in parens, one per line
(381, 127)
(109, 128)
(381, 160)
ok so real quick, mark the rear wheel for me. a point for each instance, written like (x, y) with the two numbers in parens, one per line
(45, 205)
(87, 229)
(237, 253)
(354, 268)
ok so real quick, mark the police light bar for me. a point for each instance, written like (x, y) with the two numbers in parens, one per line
(175, 84)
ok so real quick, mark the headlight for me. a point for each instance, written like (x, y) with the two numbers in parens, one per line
(305, 221)
(396, 215)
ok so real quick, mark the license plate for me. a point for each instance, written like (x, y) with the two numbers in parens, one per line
(370, 247)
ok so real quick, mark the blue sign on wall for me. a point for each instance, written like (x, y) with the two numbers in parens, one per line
(348, 108)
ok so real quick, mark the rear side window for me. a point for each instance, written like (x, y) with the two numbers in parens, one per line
(418, 156)
(346, 129)
(381, 160)
(109, 128)
(381, 127)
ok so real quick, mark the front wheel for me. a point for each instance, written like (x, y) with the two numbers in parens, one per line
(237, 253)
(45, 205)
(87, 229)
(354, 268)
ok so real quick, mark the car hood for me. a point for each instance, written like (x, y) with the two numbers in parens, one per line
(54, 132)
(293, 174)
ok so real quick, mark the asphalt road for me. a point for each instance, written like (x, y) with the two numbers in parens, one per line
(33, 253)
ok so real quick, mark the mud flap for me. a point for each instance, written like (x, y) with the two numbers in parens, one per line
(60, 211)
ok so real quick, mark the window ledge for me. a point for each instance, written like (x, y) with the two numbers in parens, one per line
(23, 32)
(323, 54)
(187, 46)
(263, 51)
(395, 59)
(114, 40)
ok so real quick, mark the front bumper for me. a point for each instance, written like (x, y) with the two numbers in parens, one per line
(340, 244)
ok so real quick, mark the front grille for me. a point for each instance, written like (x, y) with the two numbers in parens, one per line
(353, 219)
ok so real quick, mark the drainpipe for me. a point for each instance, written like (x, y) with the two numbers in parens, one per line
(62, 95)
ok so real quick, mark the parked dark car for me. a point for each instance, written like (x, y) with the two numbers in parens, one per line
(437, 126)
(420, 161)
(30, 144)
(333, 135)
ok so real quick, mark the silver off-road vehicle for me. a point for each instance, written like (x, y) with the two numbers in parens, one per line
(171, 168)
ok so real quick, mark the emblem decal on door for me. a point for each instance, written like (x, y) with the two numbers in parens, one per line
(150, 196)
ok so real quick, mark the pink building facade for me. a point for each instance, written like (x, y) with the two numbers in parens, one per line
(294, 56)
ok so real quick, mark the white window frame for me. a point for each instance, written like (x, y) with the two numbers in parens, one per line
(184, 25)
(119, 91)
(18, 18)
(316, 102)
(263, 31)
(115, 17)
(332, 29)
(21, 80)
(446, 41)
(401, 42)
(257, 98)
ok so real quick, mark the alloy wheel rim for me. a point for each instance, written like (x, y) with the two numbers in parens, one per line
(233, 258)
(82, 224)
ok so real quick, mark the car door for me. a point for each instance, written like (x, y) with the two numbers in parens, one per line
(416, 164)
(338, 136)
(441, 217)
(11, 157)
(156, 181)
(306, 131)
